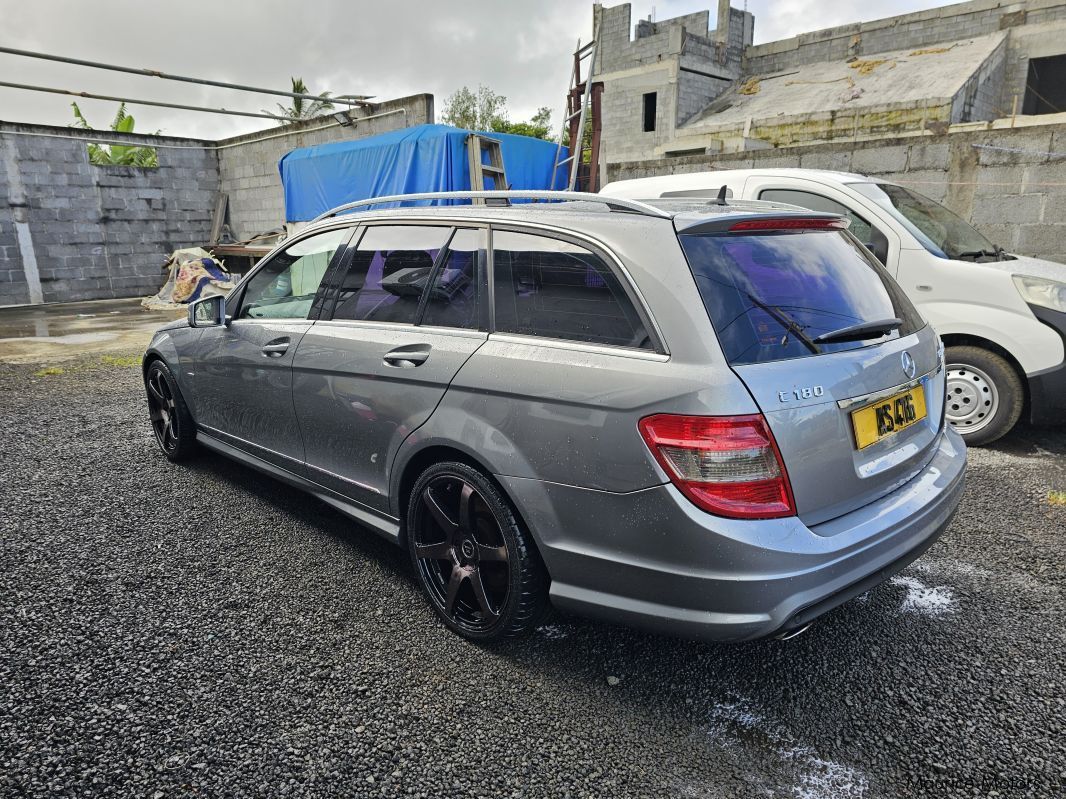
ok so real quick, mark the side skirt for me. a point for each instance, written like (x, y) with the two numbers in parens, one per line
(385, 526)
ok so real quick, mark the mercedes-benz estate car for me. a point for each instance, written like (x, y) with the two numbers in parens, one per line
(709, 420)
(1001, 316)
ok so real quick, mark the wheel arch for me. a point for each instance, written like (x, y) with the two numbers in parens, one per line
(420, 460)
(969, 340)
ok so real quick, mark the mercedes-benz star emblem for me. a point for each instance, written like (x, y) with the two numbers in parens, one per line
(908, 365)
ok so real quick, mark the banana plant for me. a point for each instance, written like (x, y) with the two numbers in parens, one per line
(117, 154)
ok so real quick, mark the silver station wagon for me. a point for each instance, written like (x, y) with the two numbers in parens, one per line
(705, 419)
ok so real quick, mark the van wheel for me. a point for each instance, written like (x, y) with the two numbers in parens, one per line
(174, 429)
(476, 564)
(984, 394)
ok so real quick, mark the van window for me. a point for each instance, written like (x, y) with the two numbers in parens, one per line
(285, 286)
(388, 272)
(874, 239)
(771, 294)
(553, 288)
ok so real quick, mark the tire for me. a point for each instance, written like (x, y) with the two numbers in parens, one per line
(984, 396)
(476, 564)
(172, 424)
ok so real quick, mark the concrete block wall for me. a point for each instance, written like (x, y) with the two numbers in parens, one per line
(921, 29)
(1010, 183)
(248, 165)
(72, 231)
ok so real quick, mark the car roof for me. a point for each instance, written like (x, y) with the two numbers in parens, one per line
(681, 212)
(692, 181)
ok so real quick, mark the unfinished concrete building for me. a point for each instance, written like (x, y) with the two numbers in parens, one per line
(678, 87)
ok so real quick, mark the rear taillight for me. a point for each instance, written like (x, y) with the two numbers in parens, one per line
(726, 465)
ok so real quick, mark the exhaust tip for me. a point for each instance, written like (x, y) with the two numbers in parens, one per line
(796, 633)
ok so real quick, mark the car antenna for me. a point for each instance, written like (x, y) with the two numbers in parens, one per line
(722, 195)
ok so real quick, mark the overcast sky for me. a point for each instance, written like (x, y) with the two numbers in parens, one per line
(388, 48)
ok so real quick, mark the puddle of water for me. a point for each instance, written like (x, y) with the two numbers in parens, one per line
(57, 332)
(61, 323)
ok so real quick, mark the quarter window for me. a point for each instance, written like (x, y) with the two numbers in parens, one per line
(388, 272)
(285, 286)
(553, 288)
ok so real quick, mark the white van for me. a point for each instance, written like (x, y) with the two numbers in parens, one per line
(1002, 317)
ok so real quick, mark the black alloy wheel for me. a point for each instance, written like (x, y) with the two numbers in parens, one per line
(170, 418)
(473, 559)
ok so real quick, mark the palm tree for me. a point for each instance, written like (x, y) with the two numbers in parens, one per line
(301, 108)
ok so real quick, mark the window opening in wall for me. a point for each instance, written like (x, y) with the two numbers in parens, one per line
(649, 112)
(1045, 88)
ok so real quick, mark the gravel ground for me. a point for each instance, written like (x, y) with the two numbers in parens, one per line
(175, 631)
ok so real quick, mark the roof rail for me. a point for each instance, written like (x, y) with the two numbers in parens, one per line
(613, 203)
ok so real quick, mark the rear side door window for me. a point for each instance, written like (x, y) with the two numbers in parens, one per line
(456, 291)
(285, 286)
(388, 273)
(875, 241)
(557, 289)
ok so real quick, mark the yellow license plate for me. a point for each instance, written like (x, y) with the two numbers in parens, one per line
(888, 416)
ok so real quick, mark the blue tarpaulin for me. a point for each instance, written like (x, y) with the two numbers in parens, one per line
(420, 159)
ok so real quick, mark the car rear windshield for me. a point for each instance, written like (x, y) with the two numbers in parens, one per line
(771, 295)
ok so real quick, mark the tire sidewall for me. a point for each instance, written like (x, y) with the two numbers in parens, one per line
(185, 432)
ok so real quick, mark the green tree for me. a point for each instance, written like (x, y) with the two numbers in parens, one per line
(539, 127)
(480, 110)
(117, 154)
(301, 108)
(485, 110)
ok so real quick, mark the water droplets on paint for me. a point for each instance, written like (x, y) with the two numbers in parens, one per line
(925, 600)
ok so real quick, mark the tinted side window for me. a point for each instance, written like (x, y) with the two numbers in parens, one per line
(863, 230)
(285, 287)
(549, 287)
(456, 290)
(388, 272)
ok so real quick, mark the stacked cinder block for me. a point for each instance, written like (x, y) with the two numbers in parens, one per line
(98, 231)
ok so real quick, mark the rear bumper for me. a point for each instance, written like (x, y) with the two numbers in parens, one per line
(653, 560)
(1047, 390)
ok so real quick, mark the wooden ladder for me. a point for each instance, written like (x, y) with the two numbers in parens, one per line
(486, 167)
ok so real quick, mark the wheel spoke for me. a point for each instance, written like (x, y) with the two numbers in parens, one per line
(466, 519)
(168, 431)
(439, 515)
(154, 391)
(441, 551)
(481, 596)
(456, 580)
(491, 553)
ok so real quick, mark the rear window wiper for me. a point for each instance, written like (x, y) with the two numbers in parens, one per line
(863, 330)
(787, 322)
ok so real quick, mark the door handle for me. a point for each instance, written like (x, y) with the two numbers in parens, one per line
(407, 357)
(924, 287)
(276, 348)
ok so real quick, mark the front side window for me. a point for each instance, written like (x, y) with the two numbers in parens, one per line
(939, 230)
(285, 287)
(874, 239)
(388, 272)
(553, 288)
(778, 295)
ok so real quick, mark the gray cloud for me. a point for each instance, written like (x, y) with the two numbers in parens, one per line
(519, 48)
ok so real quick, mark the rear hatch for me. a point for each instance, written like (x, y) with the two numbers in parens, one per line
(844, 369)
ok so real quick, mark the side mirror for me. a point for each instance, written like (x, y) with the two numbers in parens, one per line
(208, 312)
